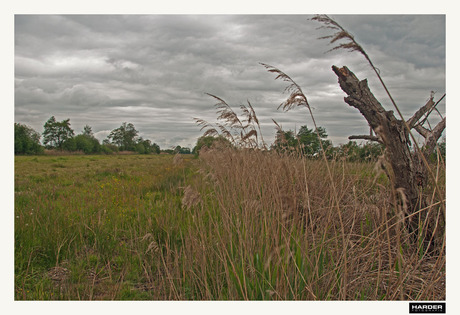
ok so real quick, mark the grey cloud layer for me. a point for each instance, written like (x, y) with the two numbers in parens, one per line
(153, 70)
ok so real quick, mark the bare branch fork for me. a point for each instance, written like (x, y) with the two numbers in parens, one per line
(431, 136)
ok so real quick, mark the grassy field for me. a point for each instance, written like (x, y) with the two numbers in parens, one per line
(84, 224)
(231, 225)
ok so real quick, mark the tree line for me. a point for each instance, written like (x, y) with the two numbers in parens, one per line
(58, 135)
(307, 143)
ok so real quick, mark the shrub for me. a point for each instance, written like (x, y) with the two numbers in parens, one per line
(26, 140)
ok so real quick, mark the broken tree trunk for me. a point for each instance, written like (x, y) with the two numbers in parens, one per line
(407, 171)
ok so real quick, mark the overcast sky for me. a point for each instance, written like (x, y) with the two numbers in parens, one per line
(154, 70)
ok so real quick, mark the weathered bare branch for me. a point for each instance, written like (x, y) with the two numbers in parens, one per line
(422, 131)
(433, 108)
(433, 136)
(429, 135)
(360, 97)
(424, 109)
(437, 131)
(366, 137)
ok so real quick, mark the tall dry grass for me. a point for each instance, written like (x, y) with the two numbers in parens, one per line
(265, 225)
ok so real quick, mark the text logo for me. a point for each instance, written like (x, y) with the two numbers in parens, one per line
(427, 308)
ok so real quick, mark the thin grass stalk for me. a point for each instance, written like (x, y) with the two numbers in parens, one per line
(377, 283)
(436, 268)
(440, 261)
(253, 113)
(229, 260)
(168, 274)
(286, 275)
(290, 252)
(308, 199)
(426, 221)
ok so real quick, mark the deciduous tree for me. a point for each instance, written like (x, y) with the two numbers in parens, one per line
(57, 133)
(124, 137)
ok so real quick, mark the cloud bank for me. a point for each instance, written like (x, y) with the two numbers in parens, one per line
(154, 70)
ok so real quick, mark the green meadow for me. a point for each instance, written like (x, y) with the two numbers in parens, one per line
(84, 224)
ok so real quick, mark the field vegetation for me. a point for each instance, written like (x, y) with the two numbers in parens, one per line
(235, 224)
(84, 224)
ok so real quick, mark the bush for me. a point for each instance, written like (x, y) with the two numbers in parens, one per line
(70, 145)
(87, 144)
(26, 140)
(140, 148)
(84, 144)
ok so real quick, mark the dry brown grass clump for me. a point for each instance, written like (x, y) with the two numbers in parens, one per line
(275, 229)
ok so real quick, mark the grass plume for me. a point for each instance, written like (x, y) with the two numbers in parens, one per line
(241, 132)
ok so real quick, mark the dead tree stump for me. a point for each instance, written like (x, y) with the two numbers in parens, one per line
(407, 171)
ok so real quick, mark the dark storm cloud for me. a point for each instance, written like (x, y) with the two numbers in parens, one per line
(154, 70)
